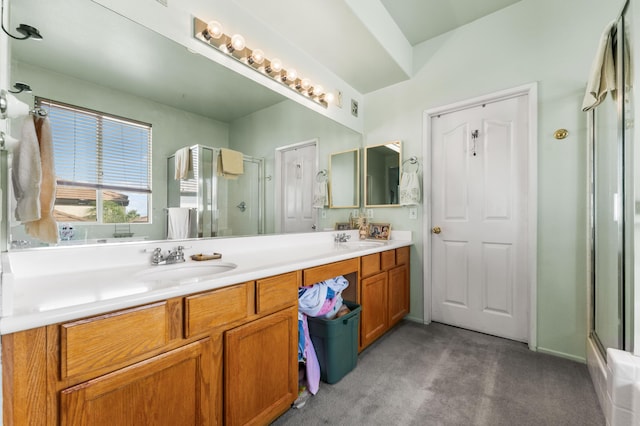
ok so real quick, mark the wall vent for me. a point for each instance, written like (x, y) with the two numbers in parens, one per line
(354, 107)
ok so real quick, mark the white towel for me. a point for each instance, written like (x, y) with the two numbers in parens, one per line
(409, 189)
(182, 157)
(26, 174)
(602, 78)
(177, 223)
(45, 229)
(320, 192)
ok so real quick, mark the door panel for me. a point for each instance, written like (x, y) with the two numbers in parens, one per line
(479, 170)
(298, 174)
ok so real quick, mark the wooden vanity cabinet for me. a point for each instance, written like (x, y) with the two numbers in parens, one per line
(384, 292)
(224, 356)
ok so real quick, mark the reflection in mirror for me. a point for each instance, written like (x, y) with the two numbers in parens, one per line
(344, 179)
(140, 75)
(382, 174)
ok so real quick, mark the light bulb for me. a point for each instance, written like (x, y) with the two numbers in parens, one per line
(317, 91)
(257, 56)
(329, 97)
(276, 65)
(237, 42)
(305, 83)
(292, 74)
(214, 30)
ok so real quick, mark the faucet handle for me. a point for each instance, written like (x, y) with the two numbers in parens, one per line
(157, 257)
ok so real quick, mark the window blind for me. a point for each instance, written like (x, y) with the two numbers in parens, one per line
(98, 150)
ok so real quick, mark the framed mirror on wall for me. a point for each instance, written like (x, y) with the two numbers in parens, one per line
(382, 170)
(344, 179)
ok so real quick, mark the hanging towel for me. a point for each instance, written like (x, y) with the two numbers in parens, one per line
(230, 163)
(26, 174)
(409, 189)
(182, 157)
(602, 78)
(320, 192)
(177, 223)
(45, 228)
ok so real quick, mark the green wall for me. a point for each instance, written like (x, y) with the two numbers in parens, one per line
(544, 41)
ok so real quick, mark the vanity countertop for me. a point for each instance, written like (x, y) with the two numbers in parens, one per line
(42, 287)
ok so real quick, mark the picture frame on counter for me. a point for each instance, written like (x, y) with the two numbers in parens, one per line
(379, 231)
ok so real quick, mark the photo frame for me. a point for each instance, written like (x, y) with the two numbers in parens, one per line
(343, 226)
(379, 231)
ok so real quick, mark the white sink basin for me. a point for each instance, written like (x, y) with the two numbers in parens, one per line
(362, 244)
(185, 271)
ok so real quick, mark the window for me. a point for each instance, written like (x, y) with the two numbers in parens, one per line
(103, 165)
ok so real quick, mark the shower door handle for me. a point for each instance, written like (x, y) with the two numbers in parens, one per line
(242, 206)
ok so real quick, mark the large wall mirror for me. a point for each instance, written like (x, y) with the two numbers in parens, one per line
(94, 58)
(382, 174)
(344, 179)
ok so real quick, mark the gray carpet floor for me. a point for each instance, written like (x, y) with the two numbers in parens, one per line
(441, 375)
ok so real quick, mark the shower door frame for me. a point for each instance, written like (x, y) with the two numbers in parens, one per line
(625, 205)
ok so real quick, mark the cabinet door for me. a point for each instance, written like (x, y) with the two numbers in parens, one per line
(398, 294)
(373, 316)
(169, 389)
(261, 368)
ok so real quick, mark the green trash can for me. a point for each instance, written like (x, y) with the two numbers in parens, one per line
(336, 343)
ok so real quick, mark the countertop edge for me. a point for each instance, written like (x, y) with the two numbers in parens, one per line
(20, 322)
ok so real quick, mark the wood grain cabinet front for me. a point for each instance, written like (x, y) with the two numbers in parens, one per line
(107, 341)
(384, 292)
(169, 389)
(261, 368)
(218, 308)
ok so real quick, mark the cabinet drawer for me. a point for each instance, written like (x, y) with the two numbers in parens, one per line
(111, 339)
(402, 256)
(332, 270)
(388, 259)
(277, 292)
(370, 264)
(218, 307)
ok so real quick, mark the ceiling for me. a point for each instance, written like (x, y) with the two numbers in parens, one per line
(347, 36)
(131, 59)
(351, 35)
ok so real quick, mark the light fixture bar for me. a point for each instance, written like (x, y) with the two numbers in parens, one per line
(234, 46)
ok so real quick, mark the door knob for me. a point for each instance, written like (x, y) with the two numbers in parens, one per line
(436, 230)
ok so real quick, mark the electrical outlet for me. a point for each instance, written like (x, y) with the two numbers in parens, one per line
(370, 214)
(413, 212)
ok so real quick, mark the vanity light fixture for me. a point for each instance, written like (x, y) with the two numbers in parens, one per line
(235, 46)
(26, 30)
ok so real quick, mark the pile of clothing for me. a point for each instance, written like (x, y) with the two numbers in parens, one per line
(321, 300)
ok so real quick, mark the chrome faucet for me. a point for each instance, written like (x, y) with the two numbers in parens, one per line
(341, 237)
(173, 256)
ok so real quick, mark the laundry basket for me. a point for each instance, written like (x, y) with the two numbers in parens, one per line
(336, 343)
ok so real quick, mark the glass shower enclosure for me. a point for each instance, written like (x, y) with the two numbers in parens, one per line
(612, 207)
(219, 206)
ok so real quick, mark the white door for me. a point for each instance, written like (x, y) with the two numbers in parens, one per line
(298, 169)
(479, 208)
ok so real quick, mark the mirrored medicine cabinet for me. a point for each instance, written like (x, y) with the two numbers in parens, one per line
(382, 169)
(344, 179)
